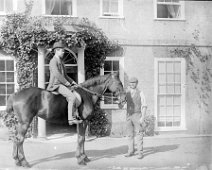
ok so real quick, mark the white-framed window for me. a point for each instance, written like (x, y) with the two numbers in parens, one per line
(111, 8)
(169, 10)
(7, 6)
(60, 8)
(112, 65)
(170, 94)
(7, 79)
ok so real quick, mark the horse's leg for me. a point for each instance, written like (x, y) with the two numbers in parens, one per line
(22, 129)
(80, 155)
(86, 159)
(15, 150)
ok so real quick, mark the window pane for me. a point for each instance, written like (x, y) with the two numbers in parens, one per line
(162, 111)
(177, 67)
(168, 11)
(177, 111)
(105, 5)
(162, 100)
(169, 100)
(177, 89)
(2, 77)
(161, 67)
(10, 65)
(10, 77)
(169, 111)
(114, 6)
(108, 66)
(2, 5)
(162, 89)
(177, 100)
(162, 78)
(115, 65)
(177, 78)
(2, 89)
(169, 67)
(170, 89)
(2, 65)
(170, 78)
(2, 100)
(10, 88)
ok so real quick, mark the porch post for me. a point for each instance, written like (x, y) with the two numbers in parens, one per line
(81, 65)
(41, 84)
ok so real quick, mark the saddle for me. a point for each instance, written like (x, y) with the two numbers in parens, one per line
(78, 97)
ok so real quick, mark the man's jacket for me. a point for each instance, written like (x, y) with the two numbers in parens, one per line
(58, 74)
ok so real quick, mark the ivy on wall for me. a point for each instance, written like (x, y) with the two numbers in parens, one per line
(199, 70)
(22, 34)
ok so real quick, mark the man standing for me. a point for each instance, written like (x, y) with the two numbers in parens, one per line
(136, 110)
(61, 82)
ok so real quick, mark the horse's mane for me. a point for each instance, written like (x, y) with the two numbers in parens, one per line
(95, 81)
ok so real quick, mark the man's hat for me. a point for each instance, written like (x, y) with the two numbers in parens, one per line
(133, 80)
(58, 44)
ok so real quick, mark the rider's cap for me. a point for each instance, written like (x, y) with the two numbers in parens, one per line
(133, 80)
(58, 44)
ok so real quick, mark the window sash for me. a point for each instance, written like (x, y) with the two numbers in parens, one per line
(111, 8)
(60, 7)
(170, 104)
(169, 9)
(7, 80)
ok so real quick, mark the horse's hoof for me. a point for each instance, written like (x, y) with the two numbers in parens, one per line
(86, 159)
(17, 163)
(24, 163)
(82, 162)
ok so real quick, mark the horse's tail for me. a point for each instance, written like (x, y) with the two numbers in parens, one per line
(9, 108)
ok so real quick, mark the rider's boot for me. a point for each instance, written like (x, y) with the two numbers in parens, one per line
(73, 114)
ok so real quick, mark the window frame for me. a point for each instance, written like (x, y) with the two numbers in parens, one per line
(121, 76)
(183, 85)
(4, 12)
(120, 11)
(2, 108)
(182, 18)
(74, 9)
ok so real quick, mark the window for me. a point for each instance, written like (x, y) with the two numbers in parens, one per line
(169, 9)
(170, 94)
(60, 7)
(111, 8)
(70, 63)
(7, 80)
(112, 65)
(7, 6)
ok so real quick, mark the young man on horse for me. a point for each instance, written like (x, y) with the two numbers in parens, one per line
(136, 110)
(61, 82)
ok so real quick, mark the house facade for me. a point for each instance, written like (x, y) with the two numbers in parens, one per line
(149, 31)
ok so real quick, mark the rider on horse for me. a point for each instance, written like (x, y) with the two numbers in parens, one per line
(61, 82)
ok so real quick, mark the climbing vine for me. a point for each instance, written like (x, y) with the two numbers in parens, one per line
(199, 70)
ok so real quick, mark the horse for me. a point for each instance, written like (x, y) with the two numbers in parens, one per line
(33, 101)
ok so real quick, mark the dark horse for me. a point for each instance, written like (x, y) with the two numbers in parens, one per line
(33, 101)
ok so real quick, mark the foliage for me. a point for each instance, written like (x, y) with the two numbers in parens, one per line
(99, 125)
(149, 125)
(198, 69)
(21, 36)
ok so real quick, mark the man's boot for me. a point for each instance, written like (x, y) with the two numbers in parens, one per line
(72, 115)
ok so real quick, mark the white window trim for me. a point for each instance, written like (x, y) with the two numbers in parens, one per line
(121, 76)
(183, 85)
(170, 19)
(14, 7)
(74, 9)
(2, 108)
(120, 11)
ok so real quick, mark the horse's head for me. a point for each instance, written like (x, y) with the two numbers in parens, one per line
(114, 85)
